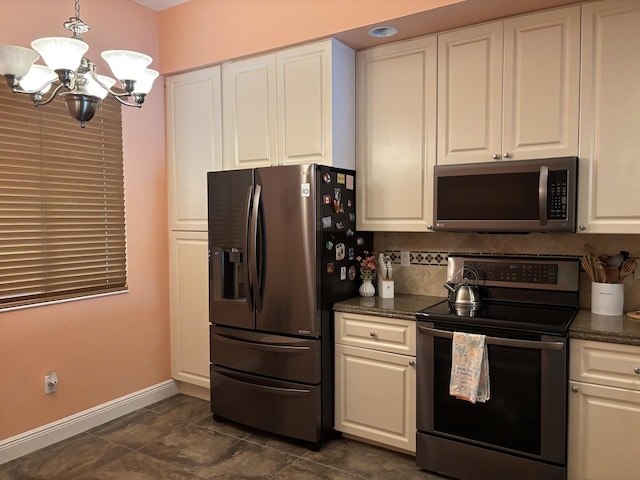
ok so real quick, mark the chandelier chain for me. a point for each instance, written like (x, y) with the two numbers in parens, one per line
(77, 6)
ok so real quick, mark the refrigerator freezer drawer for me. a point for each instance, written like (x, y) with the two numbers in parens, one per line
(283, 408)
(288, 358)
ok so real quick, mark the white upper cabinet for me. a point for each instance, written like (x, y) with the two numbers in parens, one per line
(396, 135)
(194, 144)
(510, 89)
(294, 106)
(609, 197)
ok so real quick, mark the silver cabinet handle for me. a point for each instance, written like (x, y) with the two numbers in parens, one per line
(495, 156)
(373, 334)
(636, 370)
(506, 155)
(582, 228)
(412, 363)
(574, 389)
(429, 227)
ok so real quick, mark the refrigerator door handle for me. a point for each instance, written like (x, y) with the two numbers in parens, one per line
(262, 346)
(255, 260)
(248, 263)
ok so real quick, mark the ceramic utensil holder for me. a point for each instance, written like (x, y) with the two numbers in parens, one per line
(385, 288)
(607, 298)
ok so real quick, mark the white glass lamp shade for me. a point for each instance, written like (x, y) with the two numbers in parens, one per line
(38, 76)
(145, 82)
(94, 88)
(125, 64)
(60, 53)
(16, 60)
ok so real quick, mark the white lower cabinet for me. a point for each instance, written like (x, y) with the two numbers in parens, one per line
(604, 411)
(189, 307)
(375, 395)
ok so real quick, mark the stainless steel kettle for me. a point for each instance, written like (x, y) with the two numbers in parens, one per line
(463, 293)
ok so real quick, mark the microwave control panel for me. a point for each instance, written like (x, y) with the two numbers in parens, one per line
(558, 195)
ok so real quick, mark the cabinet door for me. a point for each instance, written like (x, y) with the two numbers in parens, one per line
(375, 396)
(541, 84)
(194, 144)
(609, 122)
(470, 94)
(396, 135)
(604, 433)
(189, 307)
(249, 113)
(316, 95)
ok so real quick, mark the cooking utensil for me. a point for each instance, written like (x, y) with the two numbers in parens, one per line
(627, 268)
(612, 275)
(601, 276)
(464, 294)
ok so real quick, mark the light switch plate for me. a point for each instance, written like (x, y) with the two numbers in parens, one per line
(405, 258)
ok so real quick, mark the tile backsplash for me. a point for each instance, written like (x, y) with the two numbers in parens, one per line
(429, 251)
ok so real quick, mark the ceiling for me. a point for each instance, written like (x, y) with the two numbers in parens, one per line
(158, 5)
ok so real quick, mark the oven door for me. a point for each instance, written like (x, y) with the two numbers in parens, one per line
(526, 414)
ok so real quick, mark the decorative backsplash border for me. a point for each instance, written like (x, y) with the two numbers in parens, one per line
(440, 258)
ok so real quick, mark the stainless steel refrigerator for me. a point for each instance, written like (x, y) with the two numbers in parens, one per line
(282, 250)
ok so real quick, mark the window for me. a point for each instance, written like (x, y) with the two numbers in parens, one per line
(62, 223)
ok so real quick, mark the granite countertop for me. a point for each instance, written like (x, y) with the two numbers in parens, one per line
(586, 325)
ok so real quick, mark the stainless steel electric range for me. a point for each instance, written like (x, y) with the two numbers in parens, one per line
(525, 309)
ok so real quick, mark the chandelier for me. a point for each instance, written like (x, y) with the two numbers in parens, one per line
(73, 76)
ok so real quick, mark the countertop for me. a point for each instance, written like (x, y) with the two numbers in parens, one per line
(586, 325)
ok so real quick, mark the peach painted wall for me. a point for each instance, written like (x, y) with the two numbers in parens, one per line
(107, 347)
(204, 32)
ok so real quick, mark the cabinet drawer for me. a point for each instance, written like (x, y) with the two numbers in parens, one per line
(603, 363)
(379, 333)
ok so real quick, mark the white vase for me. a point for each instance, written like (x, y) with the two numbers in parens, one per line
(367, 289)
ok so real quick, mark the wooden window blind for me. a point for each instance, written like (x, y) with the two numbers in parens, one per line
(62, 215)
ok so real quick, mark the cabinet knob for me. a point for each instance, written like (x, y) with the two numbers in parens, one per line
(372, 334)
(412, 363)
(582, 228)
(506, 155)
(495, 156)
(429, 227)
(636, 370)
(574, 389)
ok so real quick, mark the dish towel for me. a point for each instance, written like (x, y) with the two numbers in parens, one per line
(469, 368)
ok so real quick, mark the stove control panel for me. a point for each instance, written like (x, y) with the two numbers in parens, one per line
(515, 272)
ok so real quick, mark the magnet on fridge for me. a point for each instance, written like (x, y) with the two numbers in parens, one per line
(343, 273)
(352, 253)
(349, 203)
(349, 182)
(326, 222)
(340, 178)
(352, 273)
(329, 245)
(330, 267)
(326, 199)
(360, 241)
(326, 178)
(339, 225)
(352, 217)
(340, 251)
(350, 233)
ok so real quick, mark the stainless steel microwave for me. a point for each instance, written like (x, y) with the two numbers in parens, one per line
(510, 197)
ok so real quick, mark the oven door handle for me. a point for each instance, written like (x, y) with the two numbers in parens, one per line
(505, 342)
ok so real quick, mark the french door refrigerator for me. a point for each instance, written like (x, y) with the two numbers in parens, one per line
(282, 250)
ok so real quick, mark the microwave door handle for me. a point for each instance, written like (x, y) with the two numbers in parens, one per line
(249, 264)
(543, 193)
(505, 342)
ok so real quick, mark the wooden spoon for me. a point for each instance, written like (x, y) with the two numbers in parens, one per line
(627, 268)
(612, 275)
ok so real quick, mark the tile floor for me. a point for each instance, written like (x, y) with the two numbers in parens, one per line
(177, 439)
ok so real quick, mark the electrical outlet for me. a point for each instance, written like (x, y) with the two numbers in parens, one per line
(405, 258)
(50, 382)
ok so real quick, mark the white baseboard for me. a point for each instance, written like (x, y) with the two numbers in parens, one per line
(27, 442)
